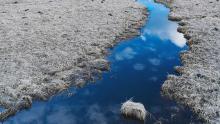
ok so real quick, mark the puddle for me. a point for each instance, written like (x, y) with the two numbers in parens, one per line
(138, 68)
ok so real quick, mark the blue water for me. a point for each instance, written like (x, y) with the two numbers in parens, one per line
(139, 66)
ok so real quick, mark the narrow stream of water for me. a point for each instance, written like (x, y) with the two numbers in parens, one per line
(138, 69)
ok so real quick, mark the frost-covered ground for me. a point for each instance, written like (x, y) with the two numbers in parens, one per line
(48, 45)
(199, 84)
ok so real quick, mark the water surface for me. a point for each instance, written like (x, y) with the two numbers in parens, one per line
(139, 66)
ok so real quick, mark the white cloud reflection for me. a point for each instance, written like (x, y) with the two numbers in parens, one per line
(168, 33)
(127, 53)
(154, 79)
(154, 61)
(159, 25)
(62, 115)
(95, 115)
(27, 118)
(143, 38)
(139, 67)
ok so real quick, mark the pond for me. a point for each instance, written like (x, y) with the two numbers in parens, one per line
(139, 67)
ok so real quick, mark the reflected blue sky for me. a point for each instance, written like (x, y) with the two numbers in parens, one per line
(139, 66)
(160, 26)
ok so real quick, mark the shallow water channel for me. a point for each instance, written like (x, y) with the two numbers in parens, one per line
(139, 66)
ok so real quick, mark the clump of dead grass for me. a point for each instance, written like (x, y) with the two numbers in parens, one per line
(134, 110)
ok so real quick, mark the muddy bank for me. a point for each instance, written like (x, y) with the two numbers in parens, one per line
(48, 45)
(198, 86)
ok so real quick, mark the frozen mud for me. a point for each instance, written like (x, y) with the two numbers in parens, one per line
(198, 85)
(48, 45)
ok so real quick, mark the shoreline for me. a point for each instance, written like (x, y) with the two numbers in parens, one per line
(198, 85)
(43, 61)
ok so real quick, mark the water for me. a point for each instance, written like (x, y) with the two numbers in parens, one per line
(138, 68)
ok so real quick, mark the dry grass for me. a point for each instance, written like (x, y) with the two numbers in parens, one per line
(47, 46)
(198, 85)
(134, 110)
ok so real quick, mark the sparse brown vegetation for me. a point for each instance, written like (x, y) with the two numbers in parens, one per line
(198, 86)
(47, 46)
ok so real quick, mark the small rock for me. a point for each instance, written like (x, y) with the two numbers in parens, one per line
(216, 29)
(40, 12)
(15, 2)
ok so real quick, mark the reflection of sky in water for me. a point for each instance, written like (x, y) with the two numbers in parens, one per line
(160, 26)
(154, 61)
(138, 69)
(127, 53)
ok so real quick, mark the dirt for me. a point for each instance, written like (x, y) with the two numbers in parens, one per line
(47, 46)
(198, 85)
